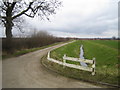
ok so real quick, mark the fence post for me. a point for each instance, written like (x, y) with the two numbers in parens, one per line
(48, 56)
(64, 61)
(93, 67)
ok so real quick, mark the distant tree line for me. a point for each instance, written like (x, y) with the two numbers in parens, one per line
(38, 39)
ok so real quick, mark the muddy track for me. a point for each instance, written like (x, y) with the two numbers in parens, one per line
(26, 71)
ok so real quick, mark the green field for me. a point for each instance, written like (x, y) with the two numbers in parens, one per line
(105, 52)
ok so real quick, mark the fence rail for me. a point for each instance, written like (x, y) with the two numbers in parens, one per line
(78, 59)
(90, 69)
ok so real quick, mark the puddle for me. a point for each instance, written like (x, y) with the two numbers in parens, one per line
(82, 56)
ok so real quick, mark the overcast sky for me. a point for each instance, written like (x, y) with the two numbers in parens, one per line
(80, 18)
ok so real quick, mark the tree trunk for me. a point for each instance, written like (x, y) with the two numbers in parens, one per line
(8, 27)
(8, 31)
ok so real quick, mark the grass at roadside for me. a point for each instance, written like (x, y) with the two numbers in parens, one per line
(21, 52)
(71, 50)
(106, 54)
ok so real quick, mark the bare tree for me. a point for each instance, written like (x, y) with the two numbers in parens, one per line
(12, 10)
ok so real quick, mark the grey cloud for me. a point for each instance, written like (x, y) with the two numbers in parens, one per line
(73, 22)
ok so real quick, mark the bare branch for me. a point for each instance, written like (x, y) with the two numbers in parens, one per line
(29, 15)
(3, 22)
(2, 8)
(23, 12)
(6, 4)
(13, 5)
(3, 17)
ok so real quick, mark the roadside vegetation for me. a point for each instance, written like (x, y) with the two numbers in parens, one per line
(24, 51)
(105, 52)
(36, 41)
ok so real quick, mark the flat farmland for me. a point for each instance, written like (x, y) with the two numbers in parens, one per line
(105, 52)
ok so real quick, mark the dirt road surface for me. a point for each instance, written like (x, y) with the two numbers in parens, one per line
(26, 71)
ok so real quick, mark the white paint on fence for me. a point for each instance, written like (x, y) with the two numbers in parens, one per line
(78, 60)
(93, 66)
(82, 56)
(90, 69)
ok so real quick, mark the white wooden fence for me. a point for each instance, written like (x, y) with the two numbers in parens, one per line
(64, 63)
